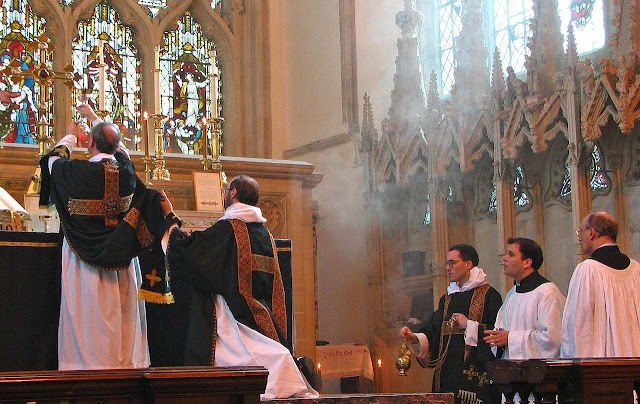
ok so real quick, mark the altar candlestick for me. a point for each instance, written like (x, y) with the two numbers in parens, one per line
(145, 133)
(101, 75)
(379, 377)
(214, 85)
(156, 79)
(320, 369)
(204, 134)
(215, 141)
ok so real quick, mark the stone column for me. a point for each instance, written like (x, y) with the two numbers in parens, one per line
(439, 238)
(538, 209)
(506, 217)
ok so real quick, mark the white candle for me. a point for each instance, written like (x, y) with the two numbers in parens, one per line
(145, 133)
(156, 79)
(214, 85)
(205, 137)
(101, 76)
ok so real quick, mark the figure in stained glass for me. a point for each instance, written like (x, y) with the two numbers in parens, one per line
(122, 73)
(189, 95)
(19, 99)
(185, 65)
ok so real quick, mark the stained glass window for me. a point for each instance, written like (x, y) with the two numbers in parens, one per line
(154, 6)
(521, 196)
(214, 3)
(587, 19)
(450, 12)
(122, 84)
(427, 213)
(511, 29)
(185, 65)
(493, 199)
(19, 27)
(597, 175)
(65, 3)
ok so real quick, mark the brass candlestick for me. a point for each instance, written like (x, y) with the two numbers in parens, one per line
(148, 163)
(214, 162)
(160, 171)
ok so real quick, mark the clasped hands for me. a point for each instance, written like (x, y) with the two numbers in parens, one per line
(497, 337)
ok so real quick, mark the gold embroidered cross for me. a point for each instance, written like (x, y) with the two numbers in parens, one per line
(153, 278)
(483, 379)
(470, 372)
(112, 204)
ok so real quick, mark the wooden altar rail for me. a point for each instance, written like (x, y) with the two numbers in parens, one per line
(185, 385)
(588, 381)
(418, 398)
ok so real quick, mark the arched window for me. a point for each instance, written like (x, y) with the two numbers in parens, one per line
(598, 178)
(511, 31)
(587, 18)
(122, 81)
(521, 196)
(19, 27)
(185, 84)
(450, 24)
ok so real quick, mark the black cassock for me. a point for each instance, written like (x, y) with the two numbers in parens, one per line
(463, 372)
(202, 265)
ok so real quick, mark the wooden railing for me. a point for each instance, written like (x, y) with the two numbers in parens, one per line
(606, 381)
(192, 385)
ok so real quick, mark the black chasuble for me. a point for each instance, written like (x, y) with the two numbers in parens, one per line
(233, 259)
(463, 371)
(107, 215)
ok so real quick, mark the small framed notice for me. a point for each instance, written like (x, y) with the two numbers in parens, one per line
(207, 190)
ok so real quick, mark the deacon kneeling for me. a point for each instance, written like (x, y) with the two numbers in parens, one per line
(237, 314)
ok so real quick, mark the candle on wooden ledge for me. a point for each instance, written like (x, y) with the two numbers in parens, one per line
(156, 79)
(145, 133)
(205, 138)
(214, 84)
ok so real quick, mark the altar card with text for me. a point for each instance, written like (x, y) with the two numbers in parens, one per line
(207, 189)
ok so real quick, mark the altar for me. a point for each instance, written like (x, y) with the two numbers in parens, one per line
(285, 200)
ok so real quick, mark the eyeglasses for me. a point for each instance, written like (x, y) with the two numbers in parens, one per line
(451, 263)
(581, 230)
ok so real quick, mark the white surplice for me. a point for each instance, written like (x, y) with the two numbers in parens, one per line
(102, 323)
(602, 314)
(239, 345)
(533, 320)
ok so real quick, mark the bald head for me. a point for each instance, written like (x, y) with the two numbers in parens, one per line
(246, 188)
(106, 137)
(597, 229)
(604, 224)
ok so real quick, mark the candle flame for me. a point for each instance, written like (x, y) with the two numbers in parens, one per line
(379, 363)
(319, 366)
(204, 120)
(146, 116)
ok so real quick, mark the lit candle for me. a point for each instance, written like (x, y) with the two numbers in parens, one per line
(214, 85)
(319, 369)
(204, 136)
(379, 363)
(101, 75)
(145, 133)
(156, 79)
